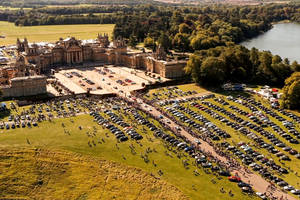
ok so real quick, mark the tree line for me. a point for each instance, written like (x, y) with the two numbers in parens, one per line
(66, 19)
(72, 15)
(235, 63)
(41, 3)
(196, 28)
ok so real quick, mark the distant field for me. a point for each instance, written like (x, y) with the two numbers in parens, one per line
(11, 8)
(51, 33)
(78, 5)
(86, 14)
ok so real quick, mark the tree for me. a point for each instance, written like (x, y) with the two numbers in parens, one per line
(164, 41)
(264, 71)
(291, 92)
(176, 18)
(132, 40)
(295, 66)
(276, 59)
(149, 42)
(212, 71)
(193, 67)
(254, 58)
(184, 28)
(181, 42)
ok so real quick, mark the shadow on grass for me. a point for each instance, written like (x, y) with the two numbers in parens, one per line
(220, 91)
(234, 93)
(4, 114)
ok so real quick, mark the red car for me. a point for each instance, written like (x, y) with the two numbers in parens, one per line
(234, 178)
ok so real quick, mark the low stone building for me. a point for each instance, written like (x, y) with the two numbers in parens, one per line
(25, 86)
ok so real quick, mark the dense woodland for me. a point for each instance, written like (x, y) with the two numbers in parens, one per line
(210, 33)
(213, 34)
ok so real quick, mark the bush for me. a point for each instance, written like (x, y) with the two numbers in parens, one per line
(291, 92)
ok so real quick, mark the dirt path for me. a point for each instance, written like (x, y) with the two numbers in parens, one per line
(258, 183)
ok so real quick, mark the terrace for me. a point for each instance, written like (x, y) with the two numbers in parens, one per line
(104, 80)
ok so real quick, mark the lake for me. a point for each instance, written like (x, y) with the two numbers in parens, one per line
(283, 40)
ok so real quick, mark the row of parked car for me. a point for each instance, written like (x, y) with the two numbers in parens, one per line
(170, 92)
(257, 122)
(13, 125)
(269, 123)
(113, 124)
(200, 158)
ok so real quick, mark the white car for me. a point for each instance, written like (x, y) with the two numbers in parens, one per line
(288, 188)
(261, 195)
(178, 128)
(296, 191)
(197, 141)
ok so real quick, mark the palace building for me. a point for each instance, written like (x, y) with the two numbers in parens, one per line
(35, 60)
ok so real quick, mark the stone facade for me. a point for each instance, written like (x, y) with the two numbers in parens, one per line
(75, 52)
(167, 69)
(66, 52)
(25, 86)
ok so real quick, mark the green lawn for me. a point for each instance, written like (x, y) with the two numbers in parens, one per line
(51, 33)
(51, 136)
(43, 174)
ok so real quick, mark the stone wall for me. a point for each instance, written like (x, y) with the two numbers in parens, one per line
(174, 69)
(26, 86)
(166, 69)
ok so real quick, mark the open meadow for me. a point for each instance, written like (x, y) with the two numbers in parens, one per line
(46, 174)
(76, 146)
(51, 33)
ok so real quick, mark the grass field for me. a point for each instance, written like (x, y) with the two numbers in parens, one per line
(51, 136)
(50, 175)
(11, 8)
(78, 5)
(50, 33)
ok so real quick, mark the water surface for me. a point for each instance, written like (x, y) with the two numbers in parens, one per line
(283, 40)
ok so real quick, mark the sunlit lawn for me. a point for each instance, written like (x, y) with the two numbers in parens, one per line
(51, 33)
